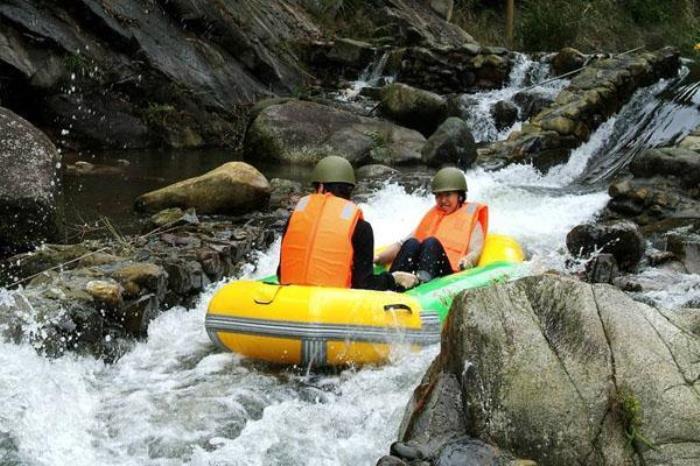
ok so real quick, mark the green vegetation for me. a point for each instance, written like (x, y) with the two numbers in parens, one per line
(588, 25)
(631, 414)
(76, 63)
(158, 114)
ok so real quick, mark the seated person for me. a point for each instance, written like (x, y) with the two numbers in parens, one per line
(326, 242)
(449, 238)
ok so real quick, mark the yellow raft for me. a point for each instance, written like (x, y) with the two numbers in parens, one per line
(322, 326)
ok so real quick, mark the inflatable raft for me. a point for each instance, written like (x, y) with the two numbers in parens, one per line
(320, 326)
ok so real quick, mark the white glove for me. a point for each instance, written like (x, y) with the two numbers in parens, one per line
(405, 280)
(466, 262)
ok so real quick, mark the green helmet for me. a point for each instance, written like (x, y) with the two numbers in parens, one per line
(448, 179)
(333, 169)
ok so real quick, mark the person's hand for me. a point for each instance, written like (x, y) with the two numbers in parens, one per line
(405, 280)
(466, 262)
(376, 260)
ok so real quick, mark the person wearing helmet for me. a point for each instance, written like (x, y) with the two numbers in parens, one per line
(449, 238)
(326, 241)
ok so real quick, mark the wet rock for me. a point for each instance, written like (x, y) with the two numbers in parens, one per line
(234, 187)
(451, 143)
(687, 248)
(428, 429)
(376, 171)
(466, 451)
(86, 168)
(443, 8)
(601, 269)
(681, 163)
(622, 239)
(119, 127)
(285, 193)
(46, 257)
(173, 217)
(391, 461)
(567, 59)
(140, 276)
(30, 184)
(504, 114)
(581, 407)
(108, 293)
(413, 108)
(351, 52)
(304, 132)
(531, 103)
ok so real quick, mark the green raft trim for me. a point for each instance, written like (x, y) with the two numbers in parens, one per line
(437, 295)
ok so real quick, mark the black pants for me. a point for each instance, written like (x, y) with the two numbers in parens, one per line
(427, 256)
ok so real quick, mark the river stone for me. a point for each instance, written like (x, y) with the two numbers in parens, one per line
(561, 372)
(443, 8)
(30, 183)
(351, 52)
(234, 187)
(680, 162)
(376, 170)
(567, 59)
(451, 143)
(412, 107)
(106, 292)
(622, 239)
(504, 114)
(687, 248)
(305, 132)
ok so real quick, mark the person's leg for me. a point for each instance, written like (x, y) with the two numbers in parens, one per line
(407, 257)
(432, 260)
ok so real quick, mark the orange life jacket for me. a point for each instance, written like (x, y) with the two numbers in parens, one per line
(317, 247)
(453, 230)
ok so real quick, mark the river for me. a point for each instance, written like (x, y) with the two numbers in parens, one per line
(175, 399)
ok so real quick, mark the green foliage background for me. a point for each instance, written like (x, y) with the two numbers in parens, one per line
(589, 25)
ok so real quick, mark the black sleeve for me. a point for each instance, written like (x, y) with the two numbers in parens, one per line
(284, 232)
(363, 261)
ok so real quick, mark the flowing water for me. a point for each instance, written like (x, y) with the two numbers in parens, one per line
(175, 399)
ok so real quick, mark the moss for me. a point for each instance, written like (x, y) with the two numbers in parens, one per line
(632, 417)
(77, 64)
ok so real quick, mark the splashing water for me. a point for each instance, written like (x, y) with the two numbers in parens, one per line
(477, 107)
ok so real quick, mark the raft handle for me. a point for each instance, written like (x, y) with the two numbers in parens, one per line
(398, 307)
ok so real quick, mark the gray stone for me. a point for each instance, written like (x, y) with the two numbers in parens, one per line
(567, 59)
(234, 187)
(413, 108)
(374, 171)
(351, 52)
(443, 8)
(562, 372)
(30, 184)
(304, 132)
(622, 239)
(504, 114)
(451, 143)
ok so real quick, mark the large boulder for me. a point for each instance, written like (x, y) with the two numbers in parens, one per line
(452, 143)
(234, 187)
(413, 107)
(563, 372)
(622, 239)
(30, 184)
(304, 132)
